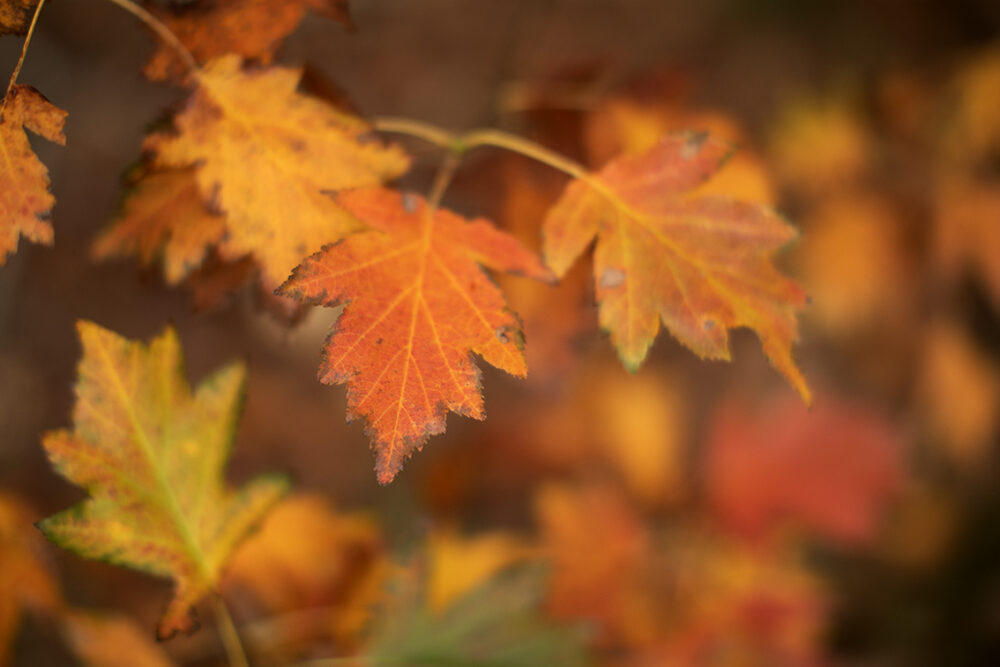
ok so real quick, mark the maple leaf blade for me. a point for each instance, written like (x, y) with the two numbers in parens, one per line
(25, 195)
(701, 265)
(417, 305)
(151, 456)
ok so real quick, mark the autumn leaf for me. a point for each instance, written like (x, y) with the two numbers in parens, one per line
(701, 264)
(820, 146)
(599, 549)
(253, 29)
(151, 455)
(306, 554)
(24, 582)
(853, 261)
(417, 303)
(267, 157)
(457, 564)
(733, 603)
(25, 200)
(15, 16)
(497, 623)
(110, 640)
(163, 214)
(966, 232)
(959, 394)
(831, 469)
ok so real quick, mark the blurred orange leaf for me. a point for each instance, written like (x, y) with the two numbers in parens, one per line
(599, 550)
(959, 391)
(24, 582)
(702, 265)
(967, 231)
(730, 603)
(305, 554)
(852, 261)
(15, 16)
(253, 29)
(831, 468)
(151, 455)
(105, 640)
(417, 304)
(268, 157)
(25, 200)
(457, 565)
(163, 214)
(818, 147)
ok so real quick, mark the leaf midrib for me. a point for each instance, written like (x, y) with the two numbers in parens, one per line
(146, 448)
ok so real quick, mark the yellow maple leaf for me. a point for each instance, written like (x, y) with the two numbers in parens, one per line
(151, 454)
(268, 158)
(25, 200)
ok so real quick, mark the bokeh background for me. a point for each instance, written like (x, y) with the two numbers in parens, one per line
(694, 513)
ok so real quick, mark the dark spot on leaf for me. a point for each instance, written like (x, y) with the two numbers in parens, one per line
(503, 334)
(708, 325)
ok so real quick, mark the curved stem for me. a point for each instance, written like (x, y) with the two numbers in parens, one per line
(227, 632)
(525, 147)
(20, 61)
(459, 144)
(415, 128)
(162, 31)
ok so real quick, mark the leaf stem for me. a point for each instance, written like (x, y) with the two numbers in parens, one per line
(415, 128)
(20, 61)
(162, 31)
(459, 144)
(442, 179)
(227, 632)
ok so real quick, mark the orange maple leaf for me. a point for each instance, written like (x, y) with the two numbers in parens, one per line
(267, 158)
(253, 29)
(702, 264)
(25, 200)
(416, 305)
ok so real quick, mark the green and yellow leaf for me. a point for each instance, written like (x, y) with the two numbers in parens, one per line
(151, 454)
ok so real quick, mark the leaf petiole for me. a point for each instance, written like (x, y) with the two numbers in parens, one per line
(459, 144)
(227, 632)
(20, 61)
(162, 31)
